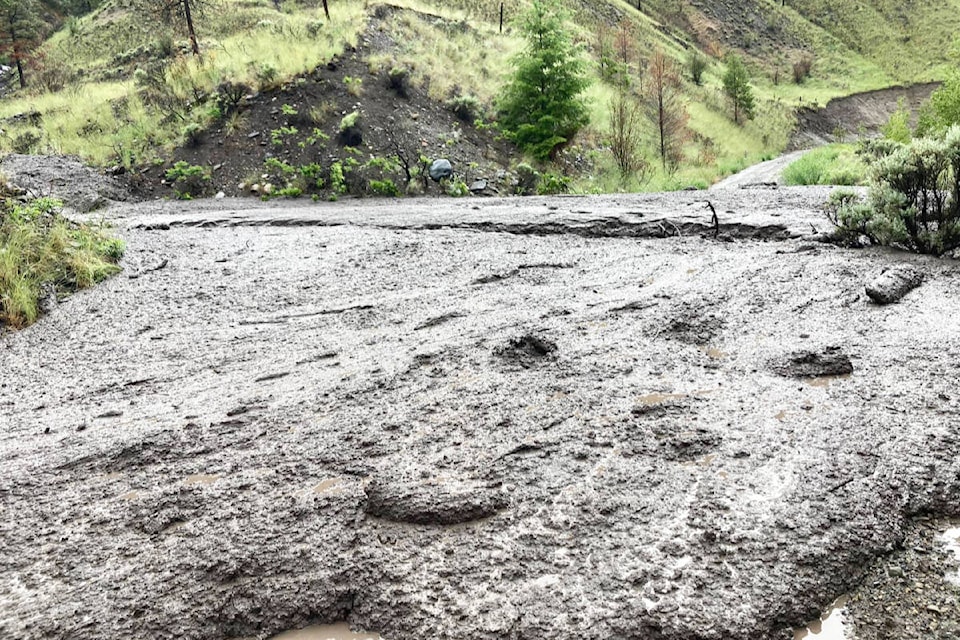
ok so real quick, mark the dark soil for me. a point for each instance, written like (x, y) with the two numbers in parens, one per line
(861, 113)
(396, 118)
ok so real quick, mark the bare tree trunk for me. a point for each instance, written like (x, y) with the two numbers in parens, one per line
(16, 54)
(193, 34)
(23, 82)
(326, 9)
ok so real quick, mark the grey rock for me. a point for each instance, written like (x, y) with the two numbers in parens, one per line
(440, 169)
(894, 283)
(478, 186)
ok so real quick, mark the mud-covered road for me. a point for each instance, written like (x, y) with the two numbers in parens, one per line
(569, 418)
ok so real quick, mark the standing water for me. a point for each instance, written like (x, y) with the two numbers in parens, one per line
(338, 631)
(952, 538)
(830, 626)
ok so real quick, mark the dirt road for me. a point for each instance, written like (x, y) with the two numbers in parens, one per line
(763, 174)
(532, 418)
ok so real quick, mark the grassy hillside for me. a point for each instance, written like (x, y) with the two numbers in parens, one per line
(118, 86)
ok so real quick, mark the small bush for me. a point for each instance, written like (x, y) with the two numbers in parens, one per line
(802, 69)
(466, 108)
(384, 188)
(851, 216)
(398, 80)
(25, 142)
(188, 180)
(267, 75)
(354, 86)
(830, 165)
(527, 179)
(914, 198)
(457, 188)
(229, 96)
(277, 135)
(697, 65)
(552, 184)
(350, 134)
(897, 127)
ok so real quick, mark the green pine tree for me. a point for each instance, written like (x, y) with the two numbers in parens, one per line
(736, 84)
(21, 29)
(541, 108)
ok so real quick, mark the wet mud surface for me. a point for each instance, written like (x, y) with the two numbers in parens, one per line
(540, 418)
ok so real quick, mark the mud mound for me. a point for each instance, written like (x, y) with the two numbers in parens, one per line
(79, 186)
(862, 112)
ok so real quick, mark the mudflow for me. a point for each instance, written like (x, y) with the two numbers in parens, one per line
(554, 418)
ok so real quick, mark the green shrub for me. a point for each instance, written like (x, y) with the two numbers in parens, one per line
(897, 127)
(277, 135)
(457, 188)
(384, 188)
(188, 180)
(40, 252)
(466, 108)
(338, 181)
(914, 197)
(266, 74)
(527, 179)
(552, 184)
(697, 65)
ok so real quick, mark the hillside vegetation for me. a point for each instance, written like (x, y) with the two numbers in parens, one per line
(118, 84)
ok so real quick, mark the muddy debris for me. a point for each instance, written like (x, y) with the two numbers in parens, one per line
(829, 362)
(440, 500)
(894, 283)
(527, 350)
(469, 480)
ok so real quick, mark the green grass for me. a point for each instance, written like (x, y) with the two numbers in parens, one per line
(39, 248)
(107, 116)
(909, 41)
(835, 164)
(111, 121)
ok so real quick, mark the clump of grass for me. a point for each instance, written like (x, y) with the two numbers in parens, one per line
(831, 165)
(40, 249)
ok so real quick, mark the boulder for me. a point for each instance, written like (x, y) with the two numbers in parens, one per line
(893, 283)
(440, 169)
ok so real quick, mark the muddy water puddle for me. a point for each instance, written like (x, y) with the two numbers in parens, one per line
(715, 354)
(338, 631)
(652, 399)
(951, 538)
(326, 486)
(830, 626)
(201, 479)
(662, 397)
(822, 382)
